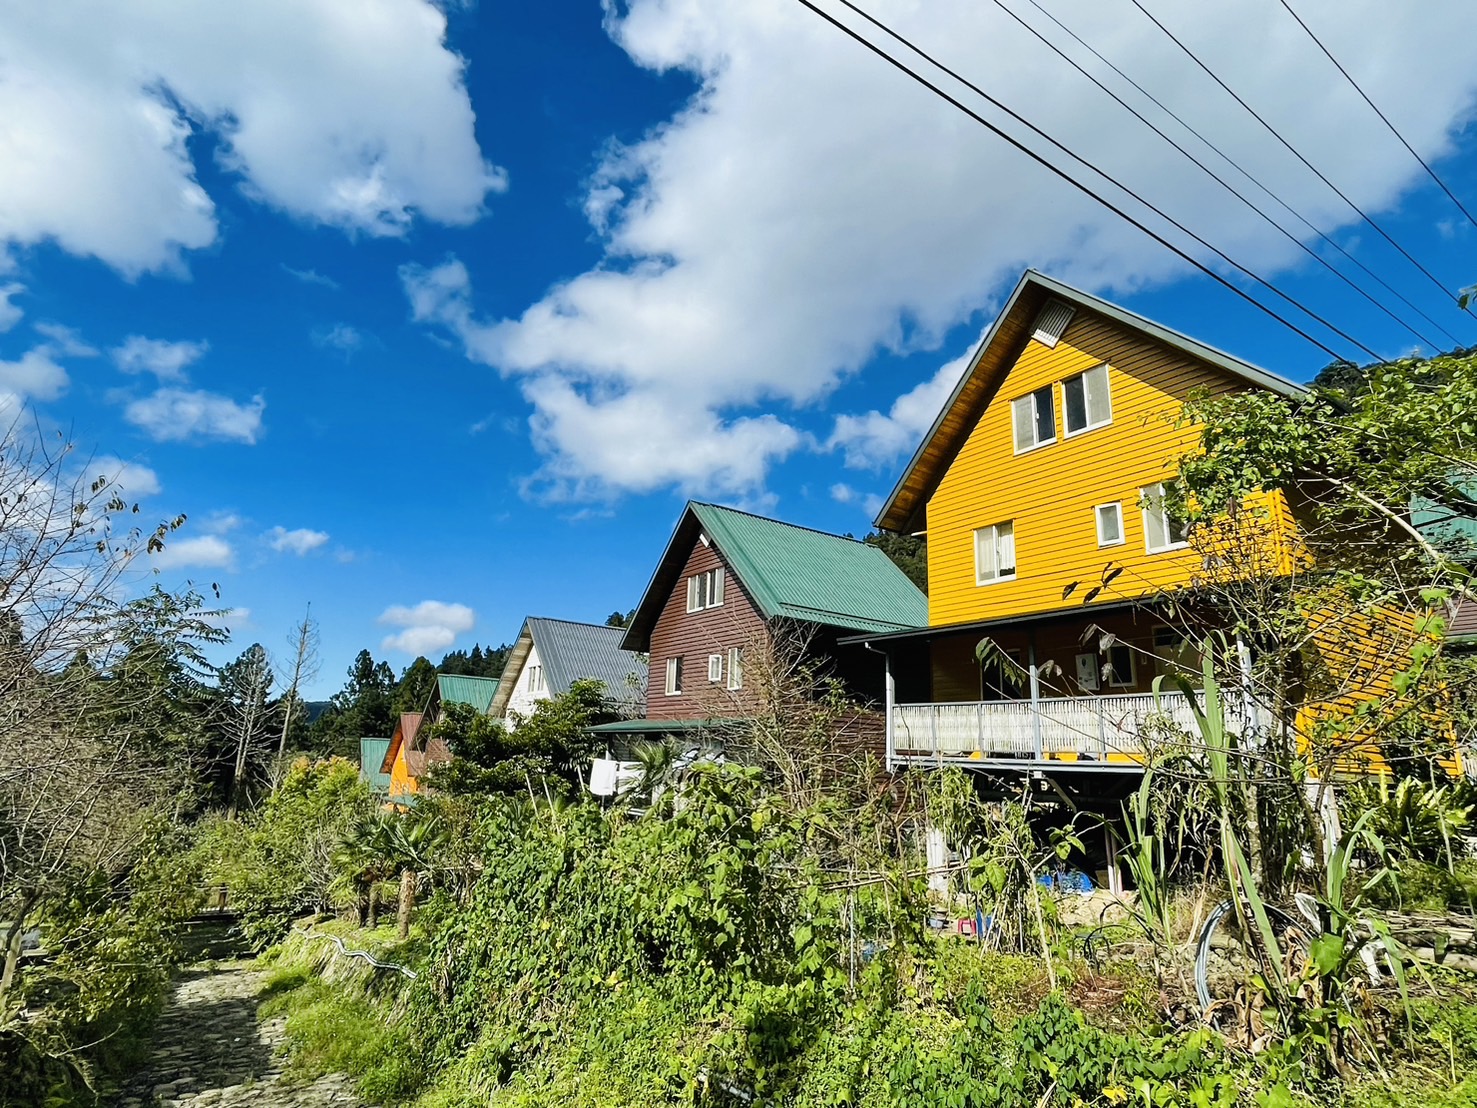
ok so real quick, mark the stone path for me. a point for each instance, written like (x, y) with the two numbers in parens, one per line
(212, 1052)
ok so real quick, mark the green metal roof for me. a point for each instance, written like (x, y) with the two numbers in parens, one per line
(371, 756)
(460, 689)
(810, 575)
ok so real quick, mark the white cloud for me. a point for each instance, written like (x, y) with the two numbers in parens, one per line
(843, 493)
(201, 552)
(10, 315)
(312, 277)
(341, 337)
(165, 360)
(430, 626)
(874, 440)
(221, 523)
(36, 375)
(351, 113)
(178, 415)
(810, 206)
(129, 478)
(66, 341)
(300, 541)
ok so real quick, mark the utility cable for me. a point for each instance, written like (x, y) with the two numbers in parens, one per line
(1214, 176)
(1383, 118)
(1294, 151)
(1069, 179)
(1304, 220)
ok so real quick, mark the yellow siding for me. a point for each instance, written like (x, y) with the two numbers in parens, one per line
(1049, 493)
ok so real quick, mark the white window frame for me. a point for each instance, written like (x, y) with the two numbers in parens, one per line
(1091, 424)
(715, 668)
(1032, 398)
(674, 676)
(735, 667)
(1097, 516)
(993, 532)
(535, 679)
(1116, 679)
(705, 590)
(1151, 499)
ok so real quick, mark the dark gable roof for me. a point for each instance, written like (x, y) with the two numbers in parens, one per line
(789, 572)
(1012, 329)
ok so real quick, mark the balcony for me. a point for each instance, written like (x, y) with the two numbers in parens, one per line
(1081, 732)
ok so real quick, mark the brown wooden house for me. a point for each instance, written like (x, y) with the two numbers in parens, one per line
(731, 585)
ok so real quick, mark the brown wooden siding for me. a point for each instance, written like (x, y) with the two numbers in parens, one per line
(956, 672)
(695, 635)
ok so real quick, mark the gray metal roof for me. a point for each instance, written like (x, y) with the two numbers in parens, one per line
(571, 652)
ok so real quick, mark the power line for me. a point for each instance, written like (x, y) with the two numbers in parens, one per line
(1294, 151)
(1383, 118)
(1067, 177)
(1299, 243)
(1304, 220)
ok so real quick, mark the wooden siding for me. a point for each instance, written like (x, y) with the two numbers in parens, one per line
(1049, 493)
(695, 635)
(956, 672)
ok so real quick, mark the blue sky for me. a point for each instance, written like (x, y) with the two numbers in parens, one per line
(434, 316)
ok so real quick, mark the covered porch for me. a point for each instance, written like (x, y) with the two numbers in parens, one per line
(1068, 690)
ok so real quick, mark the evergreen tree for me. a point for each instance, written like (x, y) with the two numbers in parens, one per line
(414, 687)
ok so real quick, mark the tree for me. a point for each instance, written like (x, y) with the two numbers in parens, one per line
(477, 662)
(362, 707)
(1338, 622)
(618, 618)
(549, 747)
(303, 666)
(414, 687)
(90, 750)
(246, 685)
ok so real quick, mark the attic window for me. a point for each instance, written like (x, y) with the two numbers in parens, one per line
(1051, 324)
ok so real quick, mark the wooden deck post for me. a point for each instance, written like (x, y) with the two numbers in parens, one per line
(1035, 697)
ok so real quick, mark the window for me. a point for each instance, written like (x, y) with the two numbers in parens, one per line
(1051, 324)
(705, 590)
(994, 553)
(1109, 524)
(1034, 420)
(1085, 401)
(535, 678)
(715, 667)
(1162, 531)
(674, 676)
(1120, 671)
(736, 667)
(1177, 654)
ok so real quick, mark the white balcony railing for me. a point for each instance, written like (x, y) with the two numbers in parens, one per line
(1091, 728)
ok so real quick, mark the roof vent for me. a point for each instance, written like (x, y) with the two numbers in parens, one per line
(1051, 324)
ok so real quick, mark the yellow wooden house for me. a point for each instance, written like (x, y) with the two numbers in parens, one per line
(1039, 489)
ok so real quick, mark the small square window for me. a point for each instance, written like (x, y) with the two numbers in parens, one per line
(994, 553)
(1109, 524)
(1034, 420)
(715, 668)
(1085, 401)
